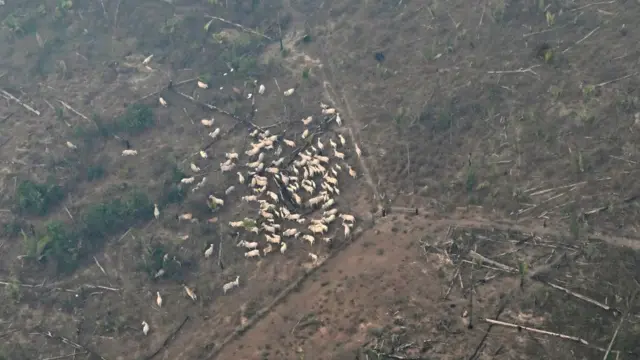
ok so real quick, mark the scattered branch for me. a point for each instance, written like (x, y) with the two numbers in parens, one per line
(382, 355)
(582, 297)
(518, 71)
(613, 338)
(125, 234)
(592, 4)
(541, 192)
(615, 333)
(74, 353)
(543, 31)
(581, 40)
(220, 265)
(100, 266)
(89, 286)
(64, 340)
(168, 339)
(68, 107)
(115, 17)
(243, 28)
(476, 353)
(104, 10)
(215, 108)
(538, 331)
(9, 96)
(500, 266)
(453, 278)
(164, 88)
(68, 212)
(614, 80)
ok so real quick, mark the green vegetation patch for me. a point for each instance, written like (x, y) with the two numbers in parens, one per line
(68, 244)
(136, 119)
(37, 199)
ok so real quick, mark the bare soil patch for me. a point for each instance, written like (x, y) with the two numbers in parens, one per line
(495, 182)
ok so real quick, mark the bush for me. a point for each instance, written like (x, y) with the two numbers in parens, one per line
(61, 244)
(106, 218)
(174, 195)
(136, 119)
(95, 172)
(12, 229)
(68, 245)
(37, 199)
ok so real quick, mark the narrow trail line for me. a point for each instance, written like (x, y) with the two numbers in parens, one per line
(478, 221)
(435, 221)
(330, 93)
(295, 284)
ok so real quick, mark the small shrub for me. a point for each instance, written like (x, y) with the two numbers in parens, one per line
(174, 195)
(14, 290)
(106, 218)
(471, 179)
(67, 245)
(177, 174)
(95, 172)
(136, 119)
(12, 229)
(60, 243)
(36, 199)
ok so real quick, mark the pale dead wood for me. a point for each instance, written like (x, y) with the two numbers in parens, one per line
(613, 338)
(100, 266)
(67, 341)
(581, 297)
(541, 192)
(125, 234)
(68, 212)
(164, 87)
(517, 71)
(186, 113)
(243, 28)
(581, 40)
(220, 110)
(115, 17)
(74, 353)
(482, 259)
(9, 96)
(593, 4)
(549, 333)
(89, 286)
(70, 108)
(543, 31)
(104, 10)
(538, 331)
(614, 80)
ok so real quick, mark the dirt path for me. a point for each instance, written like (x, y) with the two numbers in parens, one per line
(377, 237)
(259, 328)
(475, 219)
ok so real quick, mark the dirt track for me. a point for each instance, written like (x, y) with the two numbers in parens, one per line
(450, 123)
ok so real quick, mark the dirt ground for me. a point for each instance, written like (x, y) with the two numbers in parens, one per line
(495, 202)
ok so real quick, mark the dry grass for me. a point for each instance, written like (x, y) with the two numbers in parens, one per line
(508, 127)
